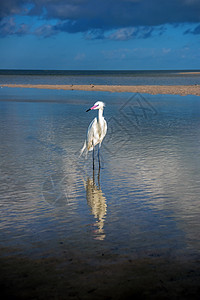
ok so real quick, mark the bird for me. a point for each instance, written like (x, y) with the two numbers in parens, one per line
(96, 131)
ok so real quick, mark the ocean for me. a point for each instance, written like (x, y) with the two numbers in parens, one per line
(141, 208)
(169, 77)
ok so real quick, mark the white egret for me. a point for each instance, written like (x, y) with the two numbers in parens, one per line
(96, 131)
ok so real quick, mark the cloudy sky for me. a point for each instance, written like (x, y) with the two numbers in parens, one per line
(100, 34)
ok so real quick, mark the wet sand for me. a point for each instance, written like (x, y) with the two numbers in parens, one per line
(75, 277)
(182, 90)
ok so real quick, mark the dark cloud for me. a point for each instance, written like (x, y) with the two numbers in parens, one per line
(195, 31)
(103, 15)
(118, 13)
(45, 31)
(8, 26)
(12, 7)
(127, 33)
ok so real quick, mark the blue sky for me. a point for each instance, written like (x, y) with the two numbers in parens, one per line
(100, 34)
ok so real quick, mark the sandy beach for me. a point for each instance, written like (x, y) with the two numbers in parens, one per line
(182, 90)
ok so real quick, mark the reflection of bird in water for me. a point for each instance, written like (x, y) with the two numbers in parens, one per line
(96, 131)
(97, 201)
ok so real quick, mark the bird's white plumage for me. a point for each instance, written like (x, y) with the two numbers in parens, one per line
(96, 133)
(96, 130)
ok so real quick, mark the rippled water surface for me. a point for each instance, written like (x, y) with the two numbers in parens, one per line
(145, 198)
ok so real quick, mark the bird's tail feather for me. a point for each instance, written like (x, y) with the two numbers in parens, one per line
(83, 149)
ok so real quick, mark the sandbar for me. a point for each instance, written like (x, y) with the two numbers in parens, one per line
(182, 90)
(190, 73)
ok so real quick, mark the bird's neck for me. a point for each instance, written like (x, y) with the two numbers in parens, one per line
(100, 114)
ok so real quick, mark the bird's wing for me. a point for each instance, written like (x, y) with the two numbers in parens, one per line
(91, 134)
(104, 129)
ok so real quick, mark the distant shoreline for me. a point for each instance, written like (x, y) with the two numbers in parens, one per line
(92, 72)
(182, 90)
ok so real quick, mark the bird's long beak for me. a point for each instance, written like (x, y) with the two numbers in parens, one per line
(93, 107)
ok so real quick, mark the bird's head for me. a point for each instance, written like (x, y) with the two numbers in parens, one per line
(97, 105)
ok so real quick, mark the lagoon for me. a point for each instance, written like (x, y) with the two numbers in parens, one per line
(139, 215)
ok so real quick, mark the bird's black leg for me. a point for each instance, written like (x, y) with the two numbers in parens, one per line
(93, 177)
(93, 156)
(99, 156)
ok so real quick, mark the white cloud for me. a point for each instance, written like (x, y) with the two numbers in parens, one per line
(166, 50)
(80, 56)
(123, 34)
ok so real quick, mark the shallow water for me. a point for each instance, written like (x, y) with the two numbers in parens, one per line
(145, 199)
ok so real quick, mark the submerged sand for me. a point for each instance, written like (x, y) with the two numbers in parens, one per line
(110, 277)
(182, 90)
